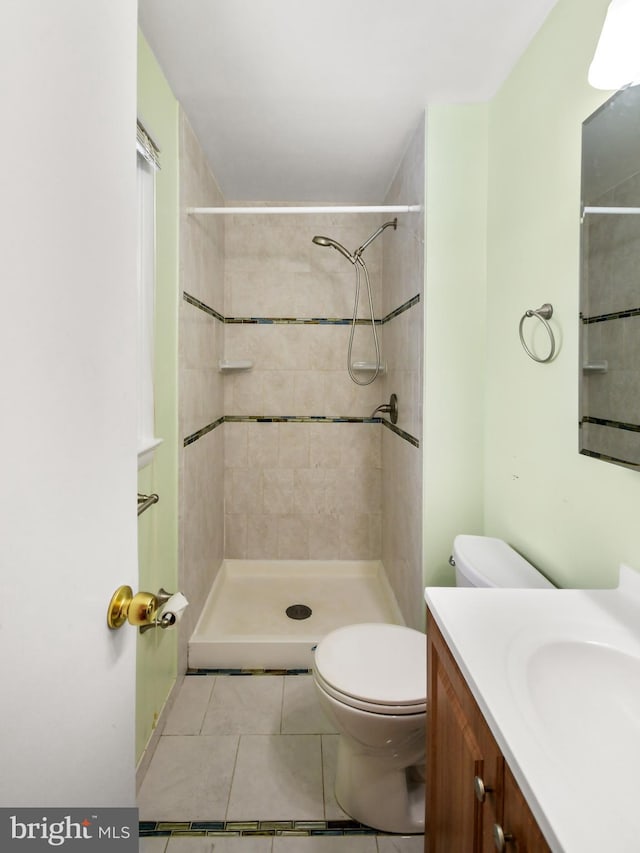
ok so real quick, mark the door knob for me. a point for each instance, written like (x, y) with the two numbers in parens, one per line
(139, 609)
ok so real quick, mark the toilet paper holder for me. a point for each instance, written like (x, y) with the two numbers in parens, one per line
(141, 610)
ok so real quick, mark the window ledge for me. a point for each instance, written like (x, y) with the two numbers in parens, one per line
(146, 451)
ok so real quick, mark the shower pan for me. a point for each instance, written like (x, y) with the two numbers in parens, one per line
(245, 623)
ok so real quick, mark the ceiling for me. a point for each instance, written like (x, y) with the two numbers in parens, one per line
(294, 100)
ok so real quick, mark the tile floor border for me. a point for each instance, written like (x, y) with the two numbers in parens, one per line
(201, 671)
(246, 828)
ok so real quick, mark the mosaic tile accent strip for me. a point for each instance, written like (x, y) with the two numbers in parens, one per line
(614, 315)
(224, 671)
(196, 435)
(298, 419)
(305, 321)
(408, 304)
(400, 432)
(595, 455)
(300, 321)
(252, 828)
(202, 306)
(587, 419)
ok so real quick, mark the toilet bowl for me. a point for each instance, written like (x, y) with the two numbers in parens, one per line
(371, 680)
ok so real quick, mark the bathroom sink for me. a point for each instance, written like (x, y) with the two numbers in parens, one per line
(582, 697)
(556, 674)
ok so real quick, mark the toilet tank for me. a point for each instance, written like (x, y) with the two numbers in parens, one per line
(485, 561)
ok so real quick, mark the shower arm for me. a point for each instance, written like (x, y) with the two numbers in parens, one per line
(392, 223)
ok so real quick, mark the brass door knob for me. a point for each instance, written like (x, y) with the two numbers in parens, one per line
(139, 609)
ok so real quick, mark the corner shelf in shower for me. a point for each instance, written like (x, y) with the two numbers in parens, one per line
(234, 365)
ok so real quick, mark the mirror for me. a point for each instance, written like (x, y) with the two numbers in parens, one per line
(610, 282)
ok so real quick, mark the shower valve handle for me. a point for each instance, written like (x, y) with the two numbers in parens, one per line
(390, 408)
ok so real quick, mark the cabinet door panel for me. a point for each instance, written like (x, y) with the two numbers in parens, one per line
(456, 819)
(518, 821)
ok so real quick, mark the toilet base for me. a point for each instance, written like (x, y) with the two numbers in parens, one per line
(374, 792)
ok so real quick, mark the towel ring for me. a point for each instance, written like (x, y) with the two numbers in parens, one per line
(543, 313)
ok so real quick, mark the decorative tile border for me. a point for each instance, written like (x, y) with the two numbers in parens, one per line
(249, 828)
(202, 306)
(400, 432)
(196, 435)
(595, 455)
(304, 321)
(298, 419)
(405, 307)
(614, 315)
(297, 321)
(587, 419)
(234, 671)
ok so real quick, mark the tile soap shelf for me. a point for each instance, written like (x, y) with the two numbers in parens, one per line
(234, 365)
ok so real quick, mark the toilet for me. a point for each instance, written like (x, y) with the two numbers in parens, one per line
(371, 680)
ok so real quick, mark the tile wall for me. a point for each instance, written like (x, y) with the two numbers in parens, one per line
(307, 486)
(201, 389)
(403, 341)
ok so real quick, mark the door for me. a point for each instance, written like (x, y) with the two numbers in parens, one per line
(68, 407)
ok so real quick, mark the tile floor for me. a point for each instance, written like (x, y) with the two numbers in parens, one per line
(250, 748)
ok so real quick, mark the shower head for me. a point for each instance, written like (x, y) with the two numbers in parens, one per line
(355, 257)
(327, 241)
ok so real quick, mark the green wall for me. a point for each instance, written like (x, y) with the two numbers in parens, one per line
(158, 526)
(503, 209)
(575, 517)
(454, 323)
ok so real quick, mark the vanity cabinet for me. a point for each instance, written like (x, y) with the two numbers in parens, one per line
(474, 804)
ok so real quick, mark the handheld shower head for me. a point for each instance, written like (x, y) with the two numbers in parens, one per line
(327, 241)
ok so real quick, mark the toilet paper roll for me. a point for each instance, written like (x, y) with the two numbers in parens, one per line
(172, 610)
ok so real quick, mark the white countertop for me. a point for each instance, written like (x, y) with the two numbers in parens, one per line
(557, 675)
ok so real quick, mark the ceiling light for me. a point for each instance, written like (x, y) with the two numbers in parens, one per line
(616, 62)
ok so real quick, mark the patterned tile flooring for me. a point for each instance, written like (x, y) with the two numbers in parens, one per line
(245, 764)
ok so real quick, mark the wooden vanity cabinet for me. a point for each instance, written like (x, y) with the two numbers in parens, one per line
(472, 796)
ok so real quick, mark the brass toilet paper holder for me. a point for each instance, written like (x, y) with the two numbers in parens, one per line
(140, 609)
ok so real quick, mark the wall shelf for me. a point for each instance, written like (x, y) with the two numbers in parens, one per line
(234, 365)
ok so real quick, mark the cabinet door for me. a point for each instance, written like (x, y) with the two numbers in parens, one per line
(518, 823)
(456, 819)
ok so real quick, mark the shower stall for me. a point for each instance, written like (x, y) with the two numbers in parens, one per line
(293, 496)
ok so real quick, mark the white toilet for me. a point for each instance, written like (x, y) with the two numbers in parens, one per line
(372, 683)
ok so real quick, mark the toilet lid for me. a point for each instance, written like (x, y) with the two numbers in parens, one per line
(376, 663)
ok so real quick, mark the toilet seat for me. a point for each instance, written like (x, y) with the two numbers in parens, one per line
(374, 667)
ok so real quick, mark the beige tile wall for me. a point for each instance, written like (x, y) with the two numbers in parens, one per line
(303, 490)
(403, 278)
(201, 388)
(300, 490)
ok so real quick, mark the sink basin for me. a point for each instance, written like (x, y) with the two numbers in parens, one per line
(583, 698)
(556, 674)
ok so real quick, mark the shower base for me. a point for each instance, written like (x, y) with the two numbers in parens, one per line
(244, 624)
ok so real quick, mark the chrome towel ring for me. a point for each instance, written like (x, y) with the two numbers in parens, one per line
(543, 313)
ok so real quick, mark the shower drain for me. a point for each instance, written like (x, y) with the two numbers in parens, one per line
(298, 611)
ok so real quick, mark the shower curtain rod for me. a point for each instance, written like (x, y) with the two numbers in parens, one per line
(380, 208)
